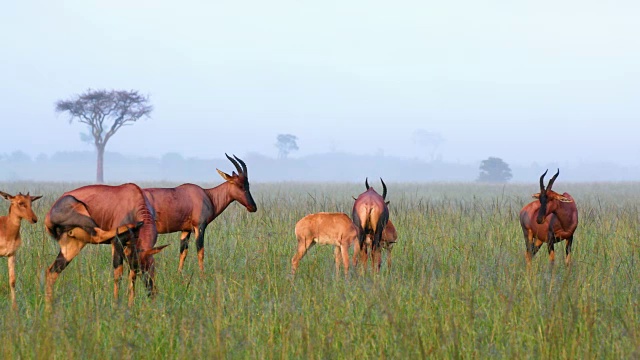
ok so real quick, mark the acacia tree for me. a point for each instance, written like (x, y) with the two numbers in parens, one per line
(105, 112)
(286, 143)
(495, 170)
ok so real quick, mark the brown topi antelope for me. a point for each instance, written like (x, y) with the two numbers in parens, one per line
(325, 228)
(189, 208)
(549, 219)
(103, 214)
(370, 215)
(389, 238)
(10, 240)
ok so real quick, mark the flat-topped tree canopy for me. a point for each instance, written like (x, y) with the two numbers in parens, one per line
(105, 112)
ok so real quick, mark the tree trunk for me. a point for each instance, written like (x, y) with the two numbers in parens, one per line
(100, 171)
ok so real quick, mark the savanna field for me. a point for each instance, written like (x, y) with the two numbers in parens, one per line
(458, 286)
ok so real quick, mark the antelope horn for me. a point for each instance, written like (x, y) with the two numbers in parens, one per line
(244, 166)
(542, 181)
(553, 179)
(353, 197)
(235, 163)
(384, 189)
(366, 183)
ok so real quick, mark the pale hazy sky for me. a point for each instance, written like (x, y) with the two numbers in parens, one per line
(522, 80)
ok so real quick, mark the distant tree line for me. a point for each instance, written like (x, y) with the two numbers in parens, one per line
(333, 166)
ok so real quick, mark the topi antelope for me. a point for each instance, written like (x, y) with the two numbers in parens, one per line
(189, 208)
(370, 215)
(549, 219)
(103, 214)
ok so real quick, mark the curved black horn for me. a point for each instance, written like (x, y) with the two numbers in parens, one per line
(553, 179)
(244, 166)
(235, 163)
(366, 183)
(542, 181)
(384, 190)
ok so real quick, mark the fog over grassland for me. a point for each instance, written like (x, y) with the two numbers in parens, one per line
(327, 167)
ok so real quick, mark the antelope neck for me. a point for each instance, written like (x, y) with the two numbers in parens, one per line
(12, 224)
(220, 197)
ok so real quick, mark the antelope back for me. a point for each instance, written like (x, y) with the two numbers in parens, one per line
(370, 207)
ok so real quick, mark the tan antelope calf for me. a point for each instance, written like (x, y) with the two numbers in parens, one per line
(10, 240)
(325, 228)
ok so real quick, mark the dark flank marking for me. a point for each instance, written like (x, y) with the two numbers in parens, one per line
(200, 240)
(118, 255)
(184, 245)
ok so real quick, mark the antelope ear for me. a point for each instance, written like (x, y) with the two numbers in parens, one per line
(564, 199)
(536, 196)
(34, 198)
(152, 251)
(387, 202)
(5, 195)
(224, 175)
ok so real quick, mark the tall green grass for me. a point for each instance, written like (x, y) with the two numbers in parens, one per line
(458, 287)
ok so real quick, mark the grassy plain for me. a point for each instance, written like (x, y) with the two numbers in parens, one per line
(458, 288)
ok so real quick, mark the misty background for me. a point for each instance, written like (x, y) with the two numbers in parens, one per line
(409, 90)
